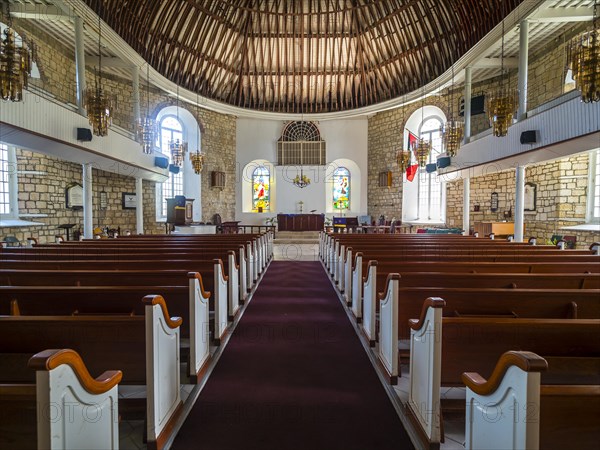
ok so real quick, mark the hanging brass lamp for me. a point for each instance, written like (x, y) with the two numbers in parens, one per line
(403, 159)
(15, 64)
(583, 56)
(421, 150)
(453, 130)
(98, 103)
(146, 127)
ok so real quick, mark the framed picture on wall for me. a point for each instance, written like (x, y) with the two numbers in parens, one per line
(128, 200)
(530, 197)
(74, 196)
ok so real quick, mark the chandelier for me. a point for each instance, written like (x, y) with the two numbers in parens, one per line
(15, 64)
(178, 148)
(403, 159)
(421, 150)
(146, 128)
(453, 130)
(98, 104)
(502, 102)
(197, 159)
(301, 180)
(583, 56)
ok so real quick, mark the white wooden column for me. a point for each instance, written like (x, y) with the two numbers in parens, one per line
(135, 81)
(523, 68)
(466, 203)
(139, 205)
(520, 204)
(88, 212)
(80, 63)
(468, 94)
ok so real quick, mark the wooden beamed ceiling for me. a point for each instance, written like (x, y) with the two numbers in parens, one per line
(302, 56)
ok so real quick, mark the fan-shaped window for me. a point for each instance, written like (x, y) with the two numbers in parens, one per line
(300, 144)
(261, 189)
(171, 129)
(341, 189)
(430, 186)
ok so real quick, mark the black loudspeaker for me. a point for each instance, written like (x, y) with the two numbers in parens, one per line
(161, 161)
(174, 169)
(84, 134)
(443, 161)
(529, 137)
(430, 168)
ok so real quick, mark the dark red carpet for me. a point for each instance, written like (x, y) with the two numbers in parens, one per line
(293, 376)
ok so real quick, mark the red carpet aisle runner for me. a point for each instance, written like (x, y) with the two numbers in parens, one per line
(293, 376)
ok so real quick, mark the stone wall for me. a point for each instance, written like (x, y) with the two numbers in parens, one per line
(42, 192)
(561, 199)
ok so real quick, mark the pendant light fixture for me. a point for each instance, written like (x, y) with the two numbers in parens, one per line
(502, 102)
(422, 148)
(15, 63)
(197, 157)
(583, 56)
(454, 129)
(178, 148)
(146, 129)
(98, 103)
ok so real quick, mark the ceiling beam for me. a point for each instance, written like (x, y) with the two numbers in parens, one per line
(39, 12)
(548, 15)
(490, 63)
(108, 62)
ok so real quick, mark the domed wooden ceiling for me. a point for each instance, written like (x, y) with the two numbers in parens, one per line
(303, 56)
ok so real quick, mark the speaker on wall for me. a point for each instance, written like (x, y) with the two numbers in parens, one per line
(529, 137)
(84, 134)
(174, 169)
(443, 161)
(430, 168)
(161, 161)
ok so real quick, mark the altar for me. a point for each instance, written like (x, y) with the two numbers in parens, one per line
(300, 222)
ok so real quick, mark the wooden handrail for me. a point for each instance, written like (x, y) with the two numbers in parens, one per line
(51, 359)
(431, 302)
(172, 322)
(527, 361)
(198, 276)
(391, 277)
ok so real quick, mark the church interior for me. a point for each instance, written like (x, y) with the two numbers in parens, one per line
(290, 224)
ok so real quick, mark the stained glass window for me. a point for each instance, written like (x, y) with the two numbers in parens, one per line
(341, 189)
(261, 193)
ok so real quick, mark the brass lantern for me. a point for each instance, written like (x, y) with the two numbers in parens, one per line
(583, 56)
(15, 66)
(501, 107)
(452, 136)
(197, 159)
(421, 150)
(178, 150)
(146, 127)
(403, 159)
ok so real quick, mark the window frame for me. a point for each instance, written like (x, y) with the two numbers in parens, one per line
(12, 183)
(593, 201)
(429, 176)
(161, 212)
(334, 177)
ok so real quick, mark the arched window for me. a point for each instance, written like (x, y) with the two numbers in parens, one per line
(430, 194)
(170, 129)
(261, 189)
(341, 189)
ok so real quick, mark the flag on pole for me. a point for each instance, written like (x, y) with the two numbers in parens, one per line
(411, 171)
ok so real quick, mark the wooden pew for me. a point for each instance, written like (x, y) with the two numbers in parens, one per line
(516, 408)
(214, 286)
(146, 349)
(236, 275)
(63, 396)
(442, 348)
(189, 302)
